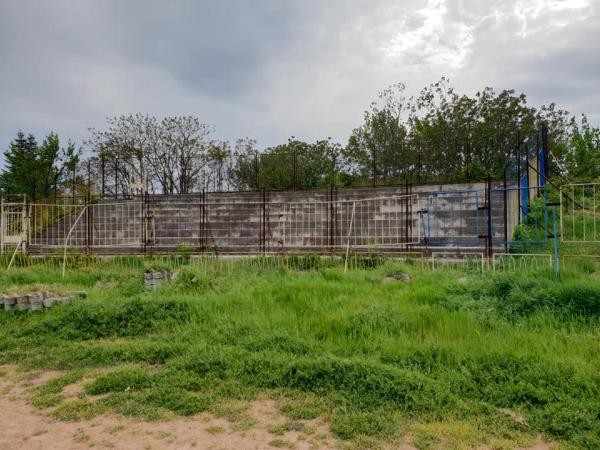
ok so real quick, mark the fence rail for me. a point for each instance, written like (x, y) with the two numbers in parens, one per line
(86, 227)
(391, 221)
(578, 212)
(490, 218)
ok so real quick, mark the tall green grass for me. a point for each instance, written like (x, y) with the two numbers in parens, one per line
(371, 357)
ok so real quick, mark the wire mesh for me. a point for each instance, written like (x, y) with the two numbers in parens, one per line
(520, 214)
(12, 224)
(578, 212)
(77, 227)
(392, 221)
(453, 218)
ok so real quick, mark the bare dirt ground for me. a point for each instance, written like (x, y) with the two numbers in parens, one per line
(23, 426)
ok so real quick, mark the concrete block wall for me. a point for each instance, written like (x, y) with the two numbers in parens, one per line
(449, 214)
(434, 215)
(112, 225)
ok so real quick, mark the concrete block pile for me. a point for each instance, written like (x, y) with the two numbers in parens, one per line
(152, 280)
(37, 301)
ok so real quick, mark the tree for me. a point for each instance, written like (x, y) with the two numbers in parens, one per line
(441, 135)
(36, 170)
(218, 157)
(583, 154)
(243, 173)
(295, 165)
(169, 155)
(21, 173)
(377, 150)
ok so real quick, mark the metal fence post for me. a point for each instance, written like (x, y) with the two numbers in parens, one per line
(73, 185)
(256, 171)
(505, 212)
(295, 167)
(2, 224)
(518, 178)
(489, 241)
(263, 223)
(144, 222)
(556, 260)
(87, 226)
(88, 210)
(374, 167)
(116, 178)
(545, 151)
(102, 168)
(203, 222)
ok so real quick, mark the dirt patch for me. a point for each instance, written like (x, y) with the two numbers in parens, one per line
(252, 425)
(25, 426)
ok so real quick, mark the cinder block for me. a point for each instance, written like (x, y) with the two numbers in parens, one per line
(22, 303)
(35, 299)
(63, 300)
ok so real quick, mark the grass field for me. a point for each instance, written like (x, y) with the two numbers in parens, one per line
(454, 358)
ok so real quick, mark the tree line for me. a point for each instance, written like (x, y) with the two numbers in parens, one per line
(39, 170)
(437, 135)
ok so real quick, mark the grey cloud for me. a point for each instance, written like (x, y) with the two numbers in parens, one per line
(217, 48)
(269, 69)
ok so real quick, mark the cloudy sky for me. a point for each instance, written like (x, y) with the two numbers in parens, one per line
(269, 69)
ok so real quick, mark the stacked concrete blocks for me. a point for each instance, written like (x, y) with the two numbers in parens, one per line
(153, 280)
(36, 301)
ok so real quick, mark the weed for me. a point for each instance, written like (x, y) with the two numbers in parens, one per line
(46, 400)
(281, 443)
(80, 436)
(75, 410)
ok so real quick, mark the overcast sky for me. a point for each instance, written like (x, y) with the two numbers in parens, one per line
(269, 69)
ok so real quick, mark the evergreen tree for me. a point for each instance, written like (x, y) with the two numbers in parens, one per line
(21, 171)
(33, 169)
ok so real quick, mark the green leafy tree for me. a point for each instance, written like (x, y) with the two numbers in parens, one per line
(441, 135)
(36, 170)
(295, 165)
(244, 169)
(583, 154)
(378, 150)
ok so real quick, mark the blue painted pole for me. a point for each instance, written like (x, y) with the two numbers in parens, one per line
(546, 211)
